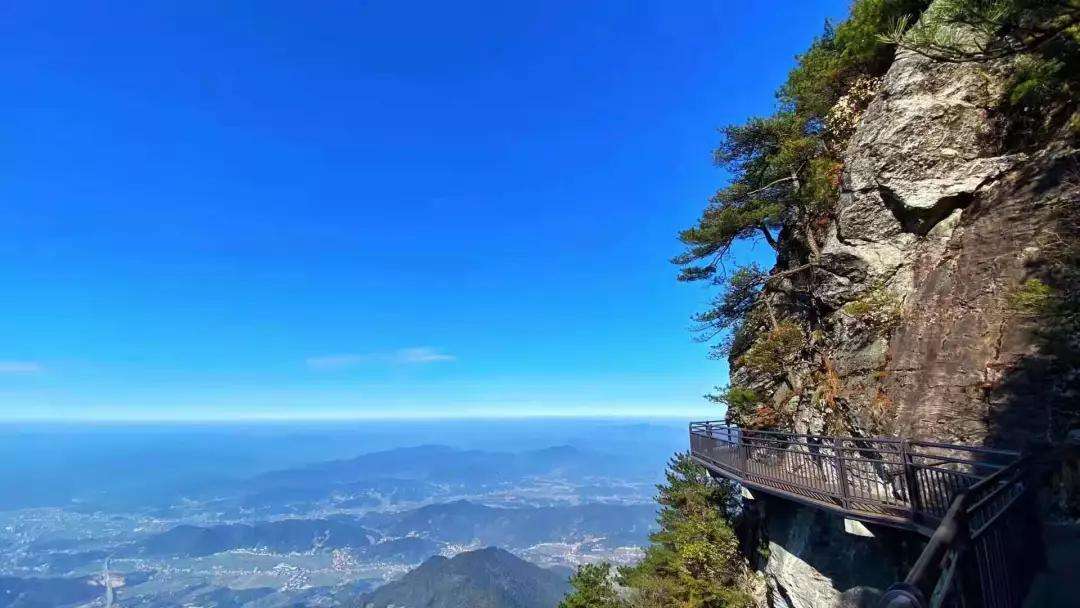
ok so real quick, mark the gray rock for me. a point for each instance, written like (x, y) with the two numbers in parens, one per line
(814, 563)
(935, 211)
(860, 597)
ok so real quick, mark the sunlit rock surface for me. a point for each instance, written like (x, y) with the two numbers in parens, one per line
(938, 213)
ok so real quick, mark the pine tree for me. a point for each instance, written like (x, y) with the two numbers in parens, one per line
(982, 30)
(694, 560)
(593, 588)
(785, 176)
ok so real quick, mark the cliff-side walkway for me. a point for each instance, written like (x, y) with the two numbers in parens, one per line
(967, 499)
(892, 481)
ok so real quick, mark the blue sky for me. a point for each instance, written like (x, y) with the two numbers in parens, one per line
(364, 209)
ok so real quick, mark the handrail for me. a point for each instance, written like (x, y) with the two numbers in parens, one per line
(965, 498)
(943, 564)
(924, 575)
(890, 480)
(721, 425)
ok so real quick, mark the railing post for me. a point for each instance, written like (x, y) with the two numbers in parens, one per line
(911, 480)
(841, 471)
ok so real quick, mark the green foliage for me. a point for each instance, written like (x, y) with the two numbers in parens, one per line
(785, 170)
(592, 588)
(694, 560)
(1074, 124)
(1035, 81)
(740, 402)
(742, 335)
(1044, 36)
(980, 30)
(1043, 90)
(1056, 308)
(879, 310)
(1050, 308)
(1033, 299)
(733, 304)
(853, 48)
(764, 153)
(746, 409)
(822, 185)
(776, 349)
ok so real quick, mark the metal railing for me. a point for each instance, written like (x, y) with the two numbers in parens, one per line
(977, 556)
(969, 500)
(899, 482)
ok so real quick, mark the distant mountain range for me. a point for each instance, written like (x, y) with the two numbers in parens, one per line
(422, 474)
(410, 550)
(43, 592)
(415, 534)
(463, 522)
(283, 536)
(434, 462)
(488, 578)
(52, 592)
(402, 476)
(328, 533)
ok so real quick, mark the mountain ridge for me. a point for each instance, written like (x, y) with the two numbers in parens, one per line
(485, 578)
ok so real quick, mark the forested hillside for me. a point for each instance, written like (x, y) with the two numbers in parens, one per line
(487, 578)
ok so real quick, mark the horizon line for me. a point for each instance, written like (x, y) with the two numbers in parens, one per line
(268, 419)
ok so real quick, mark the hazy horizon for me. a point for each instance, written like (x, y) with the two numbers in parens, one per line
(307, 417)
(314, 512)
(53, 458)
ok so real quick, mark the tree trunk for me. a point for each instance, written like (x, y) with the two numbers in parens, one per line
(769, 237)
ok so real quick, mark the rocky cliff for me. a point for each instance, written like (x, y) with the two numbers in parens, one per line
(939, 215)
(919, 183)
(928, 296)
(939, 228)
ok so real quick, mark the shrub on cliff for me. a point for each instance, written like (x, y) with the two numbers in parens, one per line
(773, 351)
(740, 402)
(776, 161)
(878, 311)
(852, 49)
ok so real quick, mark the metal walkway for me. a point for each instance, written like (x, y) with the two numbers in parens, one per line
(967, 499)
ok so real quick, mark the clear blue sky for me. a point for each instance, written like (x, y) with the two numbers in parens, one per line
(319, 209)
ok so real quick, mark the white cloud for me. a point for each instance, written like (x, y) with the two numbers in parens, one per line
(20, 367)
(421, 354)
(416, 355)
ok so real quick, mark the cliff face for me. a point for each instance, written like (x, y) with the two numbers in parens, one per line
(813, 563)
(941, 224)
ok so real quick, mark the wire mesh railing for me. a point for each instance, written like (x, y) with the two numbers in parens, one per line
(971, 501)
(888, 480)
(977, 557)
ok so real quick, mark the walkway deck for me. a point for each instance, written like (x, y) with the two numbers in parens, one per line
(897, 482)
